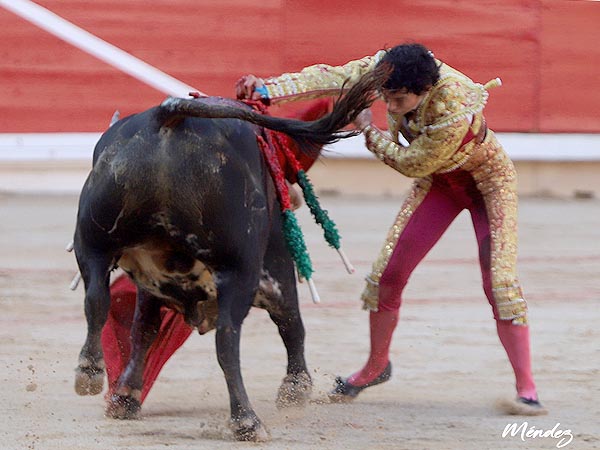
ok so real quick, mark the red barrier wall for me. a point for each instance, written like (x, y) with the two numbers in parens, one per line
(545, 51)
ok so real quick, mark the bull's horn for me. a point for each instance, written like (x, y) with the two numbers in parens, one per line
(75, 282)
(115, 118)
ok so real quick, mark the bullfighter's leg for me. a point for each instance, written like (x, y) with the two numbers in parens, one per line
(89, 374)
(126, 401)
(236, 290)
(513, 334)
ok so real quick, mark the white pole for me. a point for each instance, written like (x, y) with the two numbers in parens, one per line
(96, 47)
(313, 291)
(346, 261)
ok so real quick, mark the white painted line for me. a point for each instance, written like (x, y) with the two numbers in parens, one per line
(520, 147)
(96, 47)
(47, 146)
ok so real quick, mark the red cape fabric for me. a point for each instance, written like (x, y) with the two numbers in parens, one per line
(116, 342)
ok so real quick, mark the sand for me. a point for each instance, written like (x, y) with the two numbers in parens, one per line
(449, 368)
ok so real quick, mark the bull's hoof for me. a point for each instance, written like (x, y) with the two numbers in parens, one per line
(89, 380)
(123, 407)
(295, 390)
(249, 429)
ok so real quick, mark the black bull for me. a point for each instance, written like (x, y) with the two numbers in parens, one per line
(185, 205)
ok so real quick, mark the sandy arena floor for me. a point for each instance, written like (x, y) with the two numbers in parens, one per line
(449, 367)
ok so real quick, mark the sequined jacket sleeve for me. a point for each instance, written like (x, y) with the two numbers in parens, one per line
(320, 80)
(441, 123)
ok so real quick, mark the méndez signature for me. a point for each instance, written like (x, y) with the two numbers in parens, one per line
(565, 437)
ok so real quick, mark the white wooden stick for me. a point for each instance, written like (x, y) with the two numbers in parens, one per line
(69, 246)
(313, 291)
(78, 37)
(349, 267)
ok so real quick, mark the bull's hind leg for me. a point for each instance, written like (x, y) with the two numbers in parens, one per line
(126, 401)
(235, 292)
(296, 387)
(89, 374)
(278, 286)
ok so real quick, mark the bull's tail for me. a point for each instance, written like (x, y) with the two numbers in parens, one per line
(310, 135)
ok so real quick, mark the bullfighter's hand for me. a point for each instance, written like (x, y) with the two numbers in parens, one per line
(364, 119)
(245, 87)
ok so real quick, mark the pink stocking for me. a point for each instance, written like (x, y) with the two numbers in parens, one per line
(382, 325)
(515, 339)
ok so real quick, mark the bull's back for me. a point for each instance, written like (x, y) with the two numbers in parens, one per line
(198, 179)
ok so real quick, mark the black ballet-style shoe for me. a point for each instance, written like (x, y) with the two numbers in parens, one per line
(533, 407)
(521, 406)
(530, 402)
(344, 392)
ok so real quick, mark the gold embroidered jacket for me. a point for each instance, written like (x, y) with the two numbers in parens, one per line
(436, 134)
(441, 122)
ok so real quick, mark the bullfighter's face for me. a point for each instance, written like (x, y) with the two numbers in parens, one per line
(400, 101)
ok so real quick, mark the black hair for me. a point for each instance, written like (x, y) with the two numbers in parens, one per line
(413, 68)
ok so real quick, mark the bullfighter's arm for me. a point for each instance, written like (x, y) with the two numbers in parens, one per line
(445, 119)
(425, 154)
(320, 80)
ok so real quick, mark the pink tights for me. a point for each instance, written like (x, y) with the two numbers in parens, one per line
(447, 197)
(515, 339)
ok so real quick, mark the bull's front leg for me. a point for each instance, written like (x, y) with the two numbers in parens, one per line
(234, 303)
(89, 374)
(125, 401)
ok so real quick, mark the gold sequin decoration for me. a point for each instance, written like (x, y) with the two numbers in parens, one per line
(496, 179)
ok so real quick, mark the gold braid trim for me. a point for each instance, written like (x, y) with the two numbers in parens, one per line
(370, 295)
(496, 179)
(444, 106)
